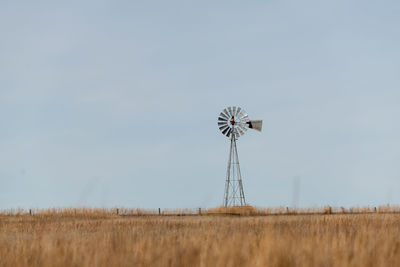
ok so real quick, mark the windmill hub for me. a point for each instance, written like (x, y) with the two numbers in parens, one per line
(234, 194)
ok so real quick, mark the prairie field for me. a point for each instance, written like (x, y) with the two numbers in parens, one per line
(101, 238)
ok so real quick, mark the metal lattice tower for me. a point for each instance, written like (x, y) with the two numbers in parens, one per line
(234, 194)
(234, 122)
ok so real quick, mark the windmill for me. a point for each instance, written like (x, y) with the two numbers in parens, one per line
(234, 122)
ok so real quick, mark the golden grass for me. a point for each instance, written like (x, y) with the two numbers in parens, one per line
(100, 237)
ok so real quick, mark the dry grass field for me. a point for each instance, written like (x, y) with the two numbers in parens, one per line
(102, 238)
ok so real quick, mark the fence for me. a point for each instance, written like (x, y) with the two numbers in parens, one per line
(246, 210)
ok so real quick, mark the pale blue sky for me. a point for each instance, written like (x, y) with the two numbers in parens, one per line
(114, 103)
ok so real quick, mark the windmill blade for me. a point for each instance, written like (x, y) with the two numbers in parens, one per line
(242, 113)
(234, 111)
(222, 119)
(241, 125)
(226, 113)
(222, 128)
(237, 135)
(223, 115)
(224, 131)
(238, 111)
(243, 128)
(230, 111)
(229, 132)
(256, 125)
(245, 117)
(222, 123)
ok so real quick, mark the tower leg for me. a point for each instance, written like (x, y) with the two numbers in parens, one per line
(228, 177)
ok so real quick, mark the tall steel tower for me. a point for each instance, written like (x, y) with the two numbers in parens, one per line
(234, 122)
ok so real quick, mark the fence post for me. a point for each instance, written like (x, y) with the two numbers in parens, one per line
(159, 211)
(199, 211)
(30, 212)
(287, 210)
(117, 211)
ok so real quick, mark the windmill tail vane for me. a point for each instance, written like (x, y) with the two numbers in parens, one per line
(233, 122)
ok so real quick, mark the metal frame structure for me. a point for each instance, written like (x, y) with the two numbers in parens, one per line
(234, 122)
(234, 193)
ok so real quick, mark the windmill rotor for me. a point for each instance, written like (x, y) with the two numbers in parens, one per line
(236, 119)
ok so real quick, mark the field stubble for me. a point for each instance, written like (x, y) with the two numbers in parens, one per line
(370, 239)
